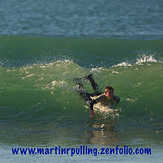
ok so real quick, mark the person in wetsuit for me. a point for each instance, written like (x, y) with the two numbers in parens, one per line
(107, 98)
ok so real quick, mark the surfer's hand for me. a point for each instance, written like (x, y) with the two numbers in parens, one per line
(92, 114)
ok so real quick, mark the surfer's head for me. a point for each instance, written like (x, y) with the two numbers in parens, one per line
(109, 91)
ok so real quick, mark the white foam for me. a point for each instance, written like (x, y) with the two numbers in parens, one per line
(106, 109)
(146, 59)
(132, 100)
(55, 82)
(30, 75)
(97, 69)
(57, 63)
(123, 64)
(143, 59)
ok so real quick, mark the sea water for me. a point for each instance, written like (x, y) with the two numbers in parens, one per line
(45, 44)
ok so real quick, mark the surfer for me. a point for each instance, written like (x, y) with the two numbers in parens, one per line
(107, 98)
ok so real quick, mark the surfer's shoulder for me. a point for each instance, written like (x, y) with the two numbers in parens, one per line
(98, 98)
(116, 98)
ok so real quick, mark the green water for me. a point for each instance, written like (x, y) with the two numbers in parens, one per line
(45, 44)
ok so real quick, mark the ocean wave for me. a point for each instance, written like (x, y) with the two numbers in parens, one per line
(39, 82)
(21, 51)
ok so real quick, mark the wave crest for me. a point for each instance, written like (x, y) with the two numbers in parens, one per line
(139, 61)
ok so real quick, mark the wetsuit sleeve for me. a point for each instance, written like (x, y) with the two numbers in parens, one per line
(92, 103)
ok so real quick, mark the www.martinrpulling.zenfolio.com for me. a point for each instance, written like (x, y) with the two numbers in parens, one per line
(82, 150)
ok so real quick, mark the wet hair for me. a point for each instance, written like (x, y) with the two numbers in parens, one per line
(109, 88)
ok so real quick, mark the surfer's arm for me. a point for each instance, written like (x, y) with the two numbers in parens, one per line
(98, 99)
(92, 114)
(92, 103)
